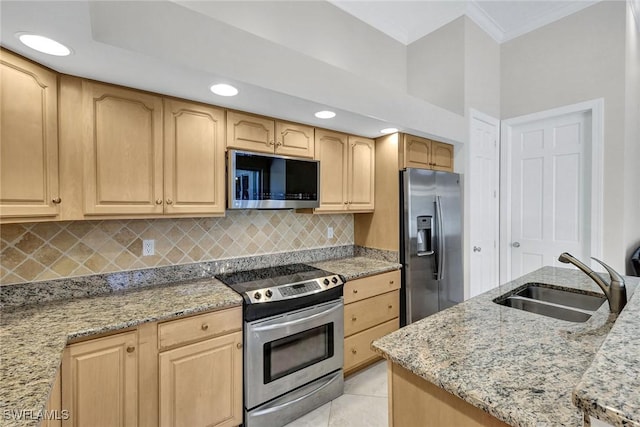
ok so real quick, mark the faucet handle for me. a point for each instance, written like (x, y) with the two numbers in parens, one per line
(614, 275)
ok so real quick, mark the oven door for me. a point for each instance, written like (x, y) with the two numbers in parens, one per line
(287, 351)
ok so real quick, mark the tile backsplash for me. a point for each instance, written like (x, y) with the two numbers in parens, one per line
(54, 250)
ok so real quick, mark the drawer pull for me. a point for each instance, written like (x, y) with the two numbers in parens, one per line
(354, 318)
(391, 282)
(354, 351)
(205, 326)
(390, 306)
(239, 345)
(355, 291)
(57, 200)
(131, 349)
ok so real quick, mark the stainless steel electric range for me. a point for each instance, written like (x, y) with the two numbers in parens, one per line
(293, 341)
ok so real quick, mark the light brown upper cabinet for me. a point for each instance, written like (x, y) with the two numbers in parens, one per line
(28, 140)
(264, 135)
(347, 172)
(132, 167)
(194, 180)
(426, 154)
(123, 151)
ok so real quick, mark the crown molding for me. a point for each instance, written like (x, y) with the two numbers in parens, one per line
(478, 15)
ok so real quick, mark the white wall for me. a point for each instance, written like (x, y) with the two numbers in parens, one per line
(578, 58)
(632, 135)
(435, 67)
(482, 71)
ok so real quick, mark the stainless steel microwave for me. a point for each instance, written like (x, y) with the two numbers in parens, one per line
(264, 181)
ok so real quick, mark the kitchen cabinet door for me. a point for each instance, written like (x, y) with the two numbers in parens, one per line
(417, 152)
(332, 149)
(123, 151)
(54, 414)
(201, 383)
(28, 140)
(194, 181)
(100, 382)
(361, 171)
(442, 156)
(249, 132)
(294, 140)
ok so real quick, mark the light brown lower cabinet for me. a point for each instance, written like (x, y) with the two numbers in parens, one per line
(184, 372)
(415, 402)
(371, 311)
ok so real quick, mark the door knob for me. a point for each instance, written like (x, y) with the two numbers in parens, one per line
(516, 244)
(477, 249)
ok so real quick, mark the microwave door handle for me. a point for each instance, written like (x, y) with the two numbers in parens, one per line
(271, 327)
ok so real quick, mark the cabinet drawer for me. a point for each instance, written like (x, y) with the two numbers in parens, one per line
(370, 312)
(366, 287)
(199, 327)
(357, 348)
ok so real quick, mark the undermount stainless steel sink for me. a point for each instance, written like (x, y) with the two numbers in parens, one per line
(560, 303)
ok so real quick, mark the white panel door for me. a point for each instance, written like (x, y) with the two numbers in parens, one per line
(548, 187)
(484, 224)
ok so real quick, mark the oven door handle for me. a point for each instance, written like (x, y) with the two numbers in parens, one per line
(297, 399)
(271, 327)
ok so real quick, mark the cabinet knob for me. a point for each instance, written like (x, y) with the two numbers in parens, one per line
(355, 291)
(354, 318)
(346, 203)
(158, 201)
(169, 201)
(279, 143)
(204, 326)
(391, 282)
(390, 306)
(57, 200)
(239, 345)
(350, 202)
(354, 351)
(271, 143)
(131, 349)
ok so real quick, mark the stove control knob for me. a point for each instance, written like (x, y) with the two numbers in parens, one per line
(334, 279)
(268, 294)
(257, 295)
(326, 282)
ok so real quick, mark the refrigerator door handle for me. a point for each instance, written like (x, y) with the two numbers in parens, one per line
(425, 253)
(441, 251)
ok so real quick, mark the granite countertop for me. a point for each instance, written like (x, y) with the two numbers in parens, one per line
(356, 267)
(522, 368)
(33, 337)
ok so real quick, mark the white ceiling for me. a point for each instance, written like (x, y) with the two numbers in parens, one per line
(280, 54)
(408, 21)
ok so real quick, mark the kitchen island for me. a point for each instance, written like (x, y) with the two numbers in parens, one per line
(499, 365)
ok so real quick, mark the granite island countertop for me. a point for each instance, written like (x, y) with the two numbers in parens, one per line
(33, 337)
(520, 367)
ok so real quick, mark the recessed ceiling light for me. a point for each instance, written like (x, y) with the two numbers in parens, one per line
(44, 44)
(388, 130)
(325, 114)
(223, 89)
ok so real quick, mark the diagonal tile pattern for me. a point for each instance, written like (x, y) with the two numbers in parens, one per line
(45, 251)
(363, 404)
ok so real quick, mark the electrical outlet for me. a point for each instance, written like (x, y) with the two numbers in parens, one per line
(148, 247)
(329, 232)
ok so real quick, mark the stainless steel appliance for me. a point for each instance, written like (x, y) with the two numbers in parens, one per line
(263, 181)
(431, 242)
(293, 341)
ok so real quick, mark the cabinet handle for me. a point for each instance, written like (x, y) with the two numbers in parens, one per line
(390, 306)
(271, 143)
(350, 202)
(204, 326)
(355, 291)
(169, 201)
(391, 282)
(131, 349)
(57, 200)
(354, 351)
(354, 318)
(346, 203)
(279, 143)
(239, 345)
(158, 201)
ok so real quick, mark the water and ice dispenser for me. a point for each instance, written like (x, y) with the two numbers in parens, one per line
(425, 235)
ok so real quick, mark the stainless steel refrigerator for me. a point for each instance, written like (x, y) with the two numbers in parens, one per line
(431, 242)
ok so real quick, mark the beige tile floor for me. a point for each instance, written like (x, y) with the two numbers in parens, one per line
(363, 404)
